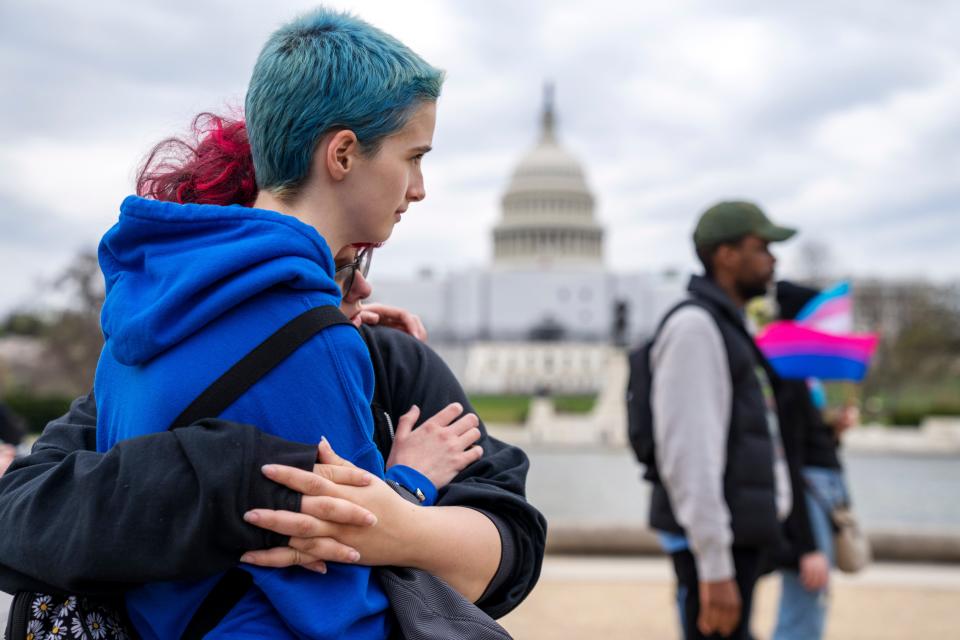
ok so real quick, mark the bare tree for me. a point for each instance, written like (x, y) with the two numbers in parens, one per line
(73, 339)
(816, 262)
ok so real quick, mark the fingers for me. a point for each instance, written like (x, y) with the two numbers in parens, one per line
(408, 323)
(288, 523)
(706, 622)
(327, 548)
(447, 415)
(305, 482)
(719, 608)
(352, 476)
(471, 455)
(807, 579)
(319, 566)
(415, 327)
(337, 510)
(400, 319)
(814, 578)
(369, 317)
(312, 554)
(468, 422)
(406, 421)
(282, 557)
(728, 619)
(326, 454)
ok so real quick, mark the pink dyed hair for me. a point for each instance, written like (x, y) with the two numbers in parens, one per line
(214, 167)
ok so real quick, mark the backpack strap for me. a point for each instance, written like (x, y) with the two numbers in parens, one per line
(218, 603)
(212, 402)
(716, 312)
(226, 389)
(686, 302)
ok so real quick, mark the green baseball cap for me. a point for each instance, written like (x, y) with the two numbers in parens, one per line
(729, 221)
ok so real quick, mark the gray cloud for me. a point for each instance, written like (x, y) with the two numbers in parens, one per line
(837, 117)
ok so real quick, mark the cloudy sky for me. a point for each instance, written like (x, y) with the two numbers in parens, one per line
(840, 118)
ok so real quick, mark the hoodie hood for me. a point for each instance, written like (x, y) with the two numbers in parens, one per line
(171, 269)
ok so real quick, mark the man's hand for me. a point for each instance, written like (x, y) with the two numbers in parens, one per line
(394, 317)
(814, 570)
(316, 537)
(441, 447)
(719, 607)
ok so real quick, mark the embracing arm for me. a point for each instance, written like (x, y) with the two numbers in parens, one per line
(482, 537)
(494, 485)
(67, 512)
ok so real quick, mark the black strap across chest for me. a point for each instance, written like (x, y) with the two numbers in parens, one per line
(224, 391)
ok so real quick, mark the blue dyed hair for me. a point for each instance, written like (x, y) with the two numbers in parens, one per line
(328, 70)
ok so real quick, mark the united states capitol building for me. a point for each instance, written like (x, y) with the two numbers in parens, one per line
(546, 315)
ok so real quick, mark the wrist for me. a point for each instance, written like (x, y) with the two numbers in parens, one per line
(414, 536)
(414, 483)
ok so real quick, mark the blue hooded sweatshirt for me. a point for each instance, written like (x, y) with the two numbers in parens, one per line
(191, 289)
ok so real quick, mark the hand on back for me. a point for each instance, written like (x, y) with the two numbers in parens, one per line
(346, 515)
(394, 317)
(441, 447)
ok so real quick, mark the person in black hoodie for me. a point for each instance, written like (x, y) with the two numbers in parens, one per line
(196, 510)
(811, 445)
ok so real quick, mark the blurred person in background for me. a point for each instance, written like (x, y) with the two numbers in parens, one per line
(812, 441)
(721, 487)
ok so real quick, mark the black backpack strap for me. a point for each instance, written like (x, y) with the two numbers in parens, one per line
(716, 311)
(258, 363)
(212, 402)
(218, 603)
(686, 302)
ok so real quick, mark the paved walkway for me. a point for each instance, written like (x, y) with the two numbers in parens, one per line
(632, 599)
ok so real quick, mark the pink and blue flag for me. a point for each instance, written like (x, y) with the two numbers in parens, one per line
(820, 343)
(796, 351)
(830, 311)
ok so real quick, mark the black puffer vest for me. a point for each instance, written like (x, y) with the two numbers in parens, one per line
(748, 480)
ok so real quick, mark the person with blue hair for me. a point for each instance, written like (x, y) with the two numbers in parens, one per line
(339, 117)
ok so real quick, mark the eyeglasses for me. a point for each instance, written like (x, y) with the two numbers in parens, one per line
(345, 275)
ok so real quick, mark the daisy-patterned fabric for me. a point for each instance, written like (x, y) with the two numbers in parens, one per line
(71, 617)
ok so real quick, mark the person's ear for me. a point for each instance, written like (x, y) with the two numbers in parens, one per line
(340, 153)
(726, 256)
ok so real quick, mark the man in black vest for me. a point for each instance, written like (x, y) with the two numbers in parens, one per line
(721, 485)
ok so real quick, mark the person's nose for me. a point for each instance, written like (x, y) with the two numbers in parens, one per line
(416, 191)
(359, 290)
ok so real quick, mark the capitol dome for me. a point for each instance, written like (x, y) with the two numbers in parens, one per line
(547, 210)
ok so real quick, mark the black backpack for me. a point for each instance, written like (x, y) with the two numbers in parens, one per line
(41, 615)
(639, 386)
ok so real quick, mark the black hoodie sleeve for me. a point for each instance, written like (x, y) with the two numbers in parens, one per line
(158, 507)
(797, 415)
(494, 485)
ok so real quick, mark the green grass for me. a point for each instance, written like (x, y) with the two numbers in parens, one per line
(575, 404)
(906, 406)
(501, 408)
(514, 408)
